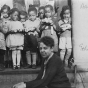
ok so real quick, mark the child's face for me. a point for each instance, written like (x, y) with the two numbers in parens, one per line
(32, 15)
(4, 14)
(22, 18)
(66, 14)
(48, 12)
(14, 16)
(41, 13)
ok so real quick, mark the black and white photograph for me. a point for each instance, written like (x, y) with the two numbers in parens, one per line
(43, 43)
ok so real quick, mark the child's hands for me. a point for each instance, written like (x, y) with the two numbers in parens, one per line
(13, 30)
(19, 85)
(65, 27)
(47, 20)
(51, 22)
(30, 29)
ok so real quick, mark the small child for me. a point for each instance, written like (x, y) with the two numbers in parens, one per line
(30, 42)
(2, 44)
(5, 12)
(15, 38)
(49, 26)
(65, 37)
(5, 20)
(23, 18)
(41, 12)
(41, 15)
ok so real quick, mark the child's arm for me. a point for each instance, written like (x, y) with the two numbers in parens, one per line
(37, 29)
(42, 27)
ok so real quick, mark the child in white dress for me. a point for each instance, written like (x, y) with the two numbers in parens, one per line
(65, 42)
(15, 38)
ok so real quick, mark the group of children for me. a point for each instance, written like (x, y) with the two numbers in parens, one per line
(20, 32)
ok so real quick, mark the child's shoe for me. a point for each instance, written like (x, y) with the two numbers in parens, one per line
(33, 66)
(28, 66)
(14, 67)
(18, 66)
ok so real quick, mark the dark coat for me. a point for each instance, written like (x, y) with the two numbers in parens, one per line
(55, 76)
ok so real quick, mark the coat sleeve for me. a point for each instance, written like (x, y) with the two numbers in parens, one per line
(49, 74)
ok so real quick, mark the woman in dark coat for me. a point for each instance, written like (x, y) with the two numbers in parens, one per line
(52, 73)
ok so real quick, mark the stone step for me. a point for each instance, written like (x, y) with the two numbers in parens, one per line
(10, 71)
(9, 77)
(6, 81)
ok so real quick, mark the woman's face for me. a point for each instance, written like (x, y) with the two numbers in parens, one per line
(14, 16)
(32, 15)
(45, 51)
(66, 14)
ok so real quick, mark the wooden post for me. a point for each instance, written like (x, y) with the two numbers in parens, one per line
(80, 33)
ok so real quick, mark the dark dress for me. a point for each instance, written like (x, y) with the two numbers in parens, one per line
(30, 43)
(55, 76)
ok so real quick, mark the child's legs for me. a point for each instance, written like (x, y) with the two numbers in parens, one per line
(34, 57)
(62, 46)
(62, 54)
(6, 56)
(69, 49)
(14, 57)
(23, 58)
(68, 54)
(28, 56)
(18, 57)
(10, 58)
(10, 55)
(2, 53)
(6, 59)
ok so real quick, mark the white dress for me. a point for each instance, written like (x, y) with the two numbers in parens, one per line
(30, 25)
(15, 40)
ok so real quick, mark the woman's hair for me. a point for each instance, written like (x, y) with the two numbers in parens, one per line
(32, 9)
(48, 41)
(64, 8)
(5, 7)
(49, 6)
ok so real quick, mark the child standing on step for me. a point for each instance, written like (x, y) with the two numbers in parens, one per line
(65, 43)
(15, 38)
(30, 42)
(49, 26)
(5, 17)
(41, 12)
(23, 18)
